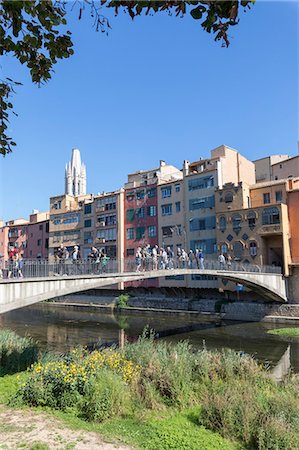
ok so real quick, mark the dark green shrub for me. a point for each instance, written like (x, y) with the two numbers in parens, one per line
(16, 353)
(122, 301)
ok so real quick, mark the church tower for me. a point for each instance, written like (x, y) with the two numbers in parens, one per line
(75, 175)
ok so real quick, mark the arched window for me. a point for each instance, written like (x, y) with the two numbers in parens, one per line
(228, 198)
(238, 249)
(270, 216)
(237, 219)
(222, 223)
(223, 249)
(251, 217)
(253, 249)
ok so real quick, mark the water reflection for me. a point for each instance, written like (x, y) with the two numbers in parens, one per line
(59, 328)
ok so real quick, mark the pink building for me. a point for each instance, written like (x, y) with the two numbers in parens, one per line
(37, 236)
(29, 238)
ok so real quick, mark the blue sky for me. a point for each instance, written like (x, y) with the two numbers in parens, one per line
(155, 88)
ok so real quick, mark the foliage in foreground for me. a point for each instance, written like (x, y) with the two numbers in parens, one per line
(122, 301)
(232, 394)
(16, 353)
(288, 332)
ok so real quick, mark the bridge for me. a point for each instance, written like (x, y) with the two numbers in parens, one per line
(45, 281)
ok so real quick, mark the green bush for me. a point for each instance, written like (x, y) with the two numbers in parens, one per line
(16, 353)
(122, 301)
(261, 415)
(105, 396)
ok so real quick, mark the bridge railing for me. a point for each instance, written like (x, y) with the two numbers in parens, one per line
(44, 268)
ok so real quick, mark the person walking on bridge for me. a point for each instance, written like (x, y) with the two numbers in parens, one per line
(221, 261)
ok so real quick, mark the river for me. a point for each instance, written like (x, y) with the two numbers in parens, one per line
(60, 328)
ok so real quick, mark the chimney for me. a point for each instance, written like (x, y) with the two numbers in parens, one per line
(186, 167)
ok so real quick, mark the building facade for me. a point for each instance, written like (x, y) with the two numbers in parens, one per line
(37, 236)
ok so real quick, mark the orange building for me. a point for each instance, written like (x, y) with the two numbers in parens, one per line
(293, 209)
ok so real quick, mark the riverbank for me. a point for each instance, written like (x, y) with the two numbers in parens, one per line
(190, 303)
(155, 396)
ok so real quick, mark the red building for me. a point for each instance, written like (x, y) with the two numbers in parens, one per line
(141, 211)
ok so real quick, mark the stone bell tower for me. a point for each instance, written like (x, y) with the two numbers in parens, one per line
(75, 175)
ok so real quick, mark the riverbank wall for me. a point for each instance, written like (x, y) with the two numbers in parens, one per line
(233, 307)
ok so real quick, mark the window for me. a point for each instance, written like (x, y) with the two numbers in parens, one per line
(203, 202)
(266, 198)
(152, 211)
(130, 215)
(87, 208)
(130, 252)
(167, 210)
(224, 249)
(167, 231)
(41, 227)
(222, 223)
(208, 246)
(130, 233)
(177, 188)
(201, 183)
(39, 242)
(237, 219)
(87, 237)
(109, 220)
(140, 232)
(251, 217)
(47, 243)
(166, 191)
(140, 195)
(107, 235)
(47, 227)
(270, 216)
(107, 203)
(228, 198)
(278, 196)
(56, 221)
(206, 223)
(140, 212)
(177, 206)
(238, 249)
(87, 223)
(152, 192)
(152, 231)
(253, 249)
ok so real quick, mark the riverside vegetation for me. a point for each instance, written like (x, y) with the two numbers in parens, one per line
(156, 395)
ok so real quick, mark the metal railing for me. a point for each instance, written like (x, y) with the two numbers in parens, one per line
(38, 268)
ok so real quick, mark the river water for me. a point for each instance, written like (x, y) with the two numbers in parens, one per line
(61, 328)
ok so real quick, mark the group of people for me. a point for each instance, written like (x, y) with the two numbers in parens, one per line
(97, 259)
(155, 258)
(15, 264)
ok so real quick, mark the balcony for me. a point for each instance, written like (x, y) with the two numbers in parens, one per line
(101, 224)
(101, 240)
(270, 229)
(100, 208)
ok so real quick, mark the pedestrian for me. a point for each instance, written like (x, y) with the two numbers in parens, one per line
(201, 259)
(138, 259)
(183, 258)
(170, 257)
(155, 251)
(76, 258)
(164, 259)
(191, 259)
(221, 261)
(20, 265)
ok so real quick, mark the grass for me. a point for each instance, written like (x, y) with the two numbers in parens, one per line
(156, 431)
(16, 353)
(286, 332)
